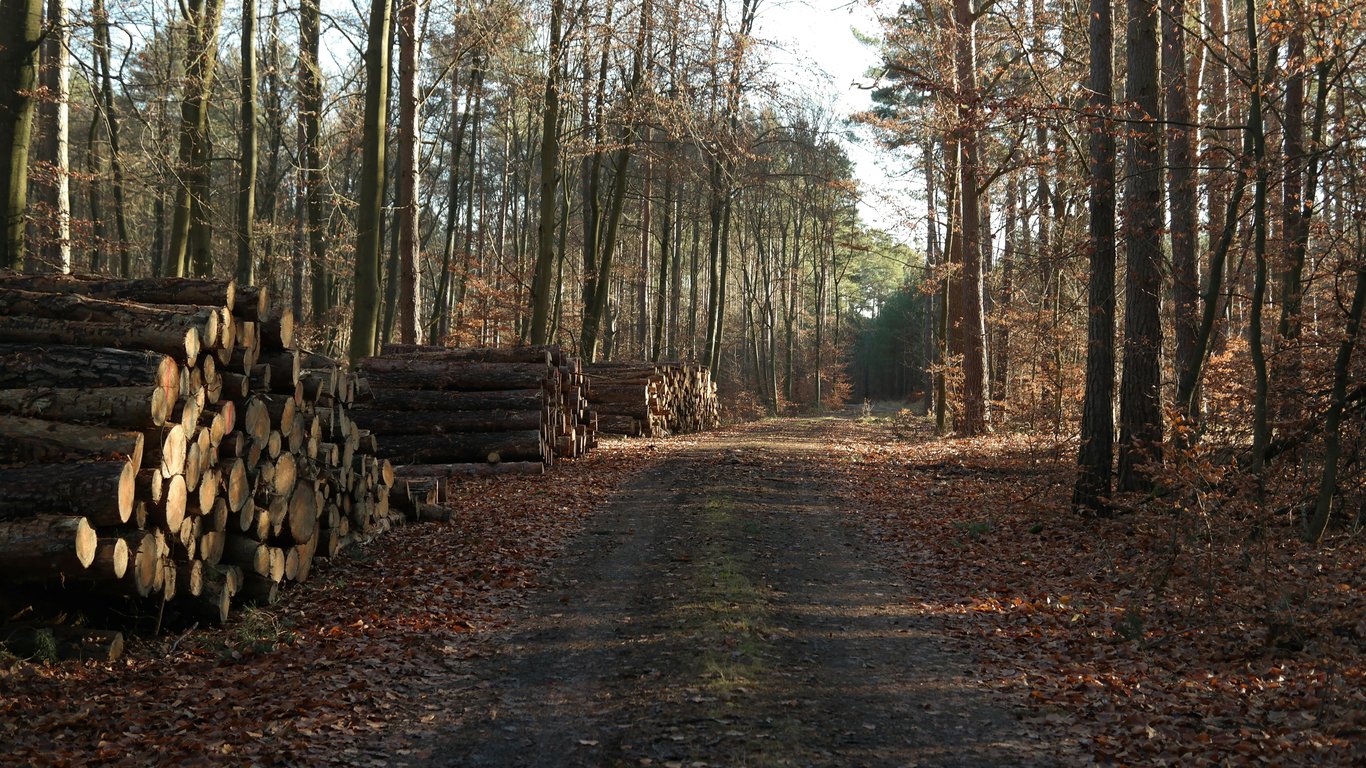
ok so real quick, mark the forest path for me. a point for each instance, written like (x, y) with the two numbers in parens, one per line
(721, 610)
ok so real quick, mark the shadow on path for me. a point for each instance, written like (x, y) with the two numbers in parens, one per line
(722, 611)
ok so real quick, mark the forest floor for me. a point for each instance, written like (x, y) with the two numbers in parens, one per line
(785, 592)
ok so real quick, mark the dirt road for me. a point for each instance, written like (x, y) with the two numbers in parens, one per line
(722, 611)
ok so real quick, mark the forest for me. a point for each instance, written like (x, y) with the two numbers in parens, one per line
(1129, 271)
(621, 178)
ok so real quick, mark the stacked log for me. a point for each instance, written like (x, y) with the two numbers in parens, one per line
(448, 412)
(653, 399)
(162, 439)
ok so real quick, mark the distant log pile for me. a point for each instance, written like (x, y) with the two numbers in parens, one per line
(447, 412)
(162, 439)
(653, 399)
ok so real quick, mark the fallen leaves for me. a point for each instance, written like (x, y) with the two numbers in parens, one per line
(340, 665)
(1142, 639)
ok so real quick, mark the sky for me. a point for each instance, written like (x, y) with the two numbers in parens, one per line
(813, 47)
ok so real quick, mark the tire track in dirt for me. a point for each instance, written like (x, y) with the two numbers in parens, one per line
(722, 611)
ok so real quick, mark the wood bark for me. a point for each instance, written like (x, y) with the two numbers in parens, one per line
(126, 407)
(189, 234)
(108, 115)
(178, 338)
(532, 354)
(1181, 183)
(427, 400)
(1140, 400)
(66, 643)
(102, 491)
(521, 445)
(1095, 459)
(550, 170)
(469, 469)
(247, 148)
(388, 423)
(423, 374)
(55, 114)
(45, 545)
(370, 201)
(1342, 367)
(409, 149)
(23, 366)
(20, 35)
(26, 440)
(147, 290)
(976, 416)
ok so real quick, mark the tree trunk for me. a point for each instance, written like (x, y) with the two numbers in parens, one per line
(188, 226)
(550, 170)
(392, 399)
(400, 373)
(1183, 200)
(23, 365)
(596, 309)
(104, 99)
(310, 128)
(520, 445)
(1140, 401)
(1342, 371)
(55, 115)
(1096, 457)
(45, 545)
(975, 418)
(409, 149)
(365, 323)
(1261, 430)
(21, 24)
(122, 407)
(246, 184)
(101, 491)
(409, 422)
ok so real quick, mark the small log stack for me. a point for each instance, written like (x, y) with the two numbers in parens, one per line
(161, 439)
(653, 399)
(447, 412)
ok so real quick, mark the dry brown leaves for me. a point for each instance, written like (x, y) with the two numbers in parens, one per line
(332, 671)
(1153, 638)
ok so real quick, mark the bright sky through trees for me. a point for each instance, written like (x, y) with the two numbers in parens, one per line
(816, 50)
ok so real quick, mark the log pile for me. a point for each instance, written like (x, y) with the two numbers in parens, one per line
(653, 399)
(447, 412)
(161, 439)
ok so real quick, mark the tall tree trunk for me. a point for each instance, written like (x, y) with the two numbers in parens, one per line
(667, 253)
(268, 206)
(643, 285)
(1184, 203)
(933, 258)
(1261, 431)
(439, 324)
(1000, 370)
(310, 122)
(1140, 397)
(21, 24)
(370, 200)
(409, 147)
(976, 416)
(596, 309)
(109, 117)
(550, 170)
(1332, 427)
(55, 114)
(189, 222)
(1096, 456)
(246, 184)
(476, 117)
(1217, 155)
